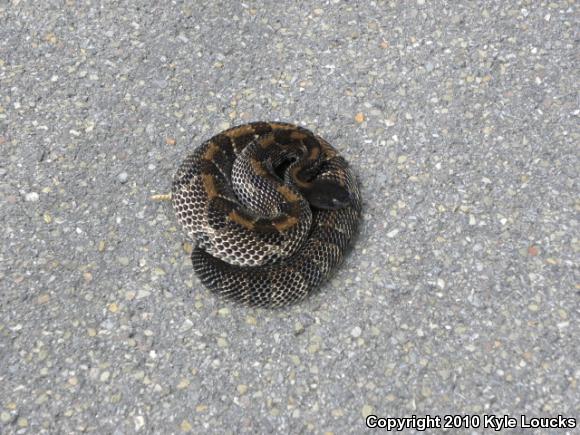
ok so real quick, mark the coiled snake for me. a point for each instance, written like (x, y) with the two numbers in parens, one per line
(271, 207)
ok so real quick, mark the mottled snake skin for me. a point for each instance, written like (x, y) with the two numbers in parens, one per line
(241, 197)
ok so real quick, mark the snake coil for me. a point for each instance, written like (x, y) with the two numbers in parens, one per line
(271, 208)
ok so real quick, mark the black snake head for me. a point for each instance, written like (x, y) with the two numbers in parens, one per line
(328, 195)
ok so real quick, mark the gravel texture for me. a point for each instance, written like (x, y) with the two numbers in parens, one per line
(461, 295)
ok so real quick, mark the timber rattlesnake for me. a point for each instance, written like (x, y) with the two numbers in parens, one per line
(271, 207)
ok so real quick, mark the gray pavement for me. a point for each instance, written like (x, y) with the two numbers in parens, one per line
(461, 295)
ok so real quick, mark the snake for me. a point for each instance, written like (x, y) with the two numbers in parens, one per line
(271, 209)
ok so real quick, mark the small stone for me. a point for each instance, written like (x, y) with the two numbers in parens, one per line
(122, 177)
(392, 233)
(184, 383)
(401, 159)
(533, 307)
(158, 271)
(186, 325)
(201, 408)
(186, 426)
(43, 298)
(250, 320)
(31, 197)
(313, 348)
(356, 332)
(366, 410)
(222, 342)
(533, 251)
(224, 312)
(298, 328)
(337, 412)
(359, 117)
(139, 422)
(101, 246)
(47, 217)
(104, 376)
(169, 141)
(50, 38)
(22, 422)
(5, 417)
(142, 294)
(113, 307)
(187, 248)
(124, 261)
(242, 389)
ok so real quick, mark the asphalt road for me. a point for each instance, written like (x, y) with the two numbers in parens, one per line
(461, 295)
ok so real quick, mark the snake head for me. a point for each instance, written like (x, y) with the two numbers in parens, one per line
(328, 195)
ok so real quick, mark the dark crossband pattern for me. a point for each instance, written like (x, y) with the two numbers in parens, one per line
(272, 209)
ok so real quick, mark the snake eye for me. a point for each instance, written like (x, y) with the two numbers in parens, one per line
(327, 195)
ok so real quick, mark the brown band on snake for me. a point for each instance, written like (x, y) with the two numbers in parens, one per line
(236, 217)
(212, 149)
(284, 224)
(259, 169)
(267, 141)
(210, 185)
(288, 193)
(243, 130)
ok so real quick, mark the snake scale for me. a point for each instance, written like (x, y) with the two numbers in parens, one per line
(271, 208)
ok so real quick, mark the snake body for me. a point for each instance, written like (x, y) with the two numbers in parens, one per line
(271, 207)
